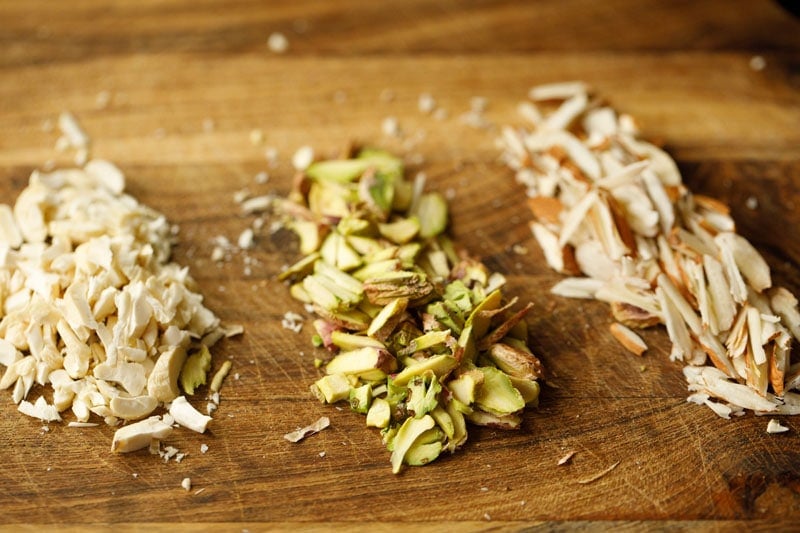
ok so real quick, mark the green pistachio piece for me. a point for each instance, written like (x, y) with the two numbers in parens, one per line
(369, 363)
(400, 231)
(338, 170)
(464, 386)
(387, 319)
(350, 341)
(383, 161)
(349, 319)
(195, 370)
(431, 210)
(432, 339)
(440, 365)
(361, 398)
(376, 269)
(366, 246)
(339, 277)
(331, 388)
(482, 418)
(352, 226)
(335, 251)
(481, 316)
(379, 414)
(328, 199)
(408, 433)
(376, 192)
(497, 395)
(426, 448)
(301, 268)
(423, 394)
(528, 389)
(308, 232)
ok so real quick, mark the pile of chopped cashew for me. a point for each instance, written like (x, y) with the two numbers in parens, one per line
(613, 208)
(95, 319)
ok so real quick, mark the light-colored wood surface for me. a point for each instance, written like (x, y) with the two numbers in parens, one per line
(682, 70)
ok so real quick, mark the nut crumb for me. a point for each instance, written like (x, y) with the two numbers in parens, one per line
(567, 458)
(278, 43)
(758, 63)
(186, 484)
(390, 127)
(774, 426)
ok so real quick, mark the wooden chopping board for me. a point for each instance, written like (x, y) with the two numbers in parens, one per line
(179, 126)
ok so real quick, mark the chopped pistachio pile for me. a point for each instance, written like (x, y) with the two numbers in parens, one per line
(423, 340)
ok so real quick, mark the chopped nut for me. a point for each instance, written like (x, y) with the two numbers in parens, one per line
(187, 416)
(277, 43)
(775, 427)
(216, 381)
(630, 340)
(316, 427)
(140, 434)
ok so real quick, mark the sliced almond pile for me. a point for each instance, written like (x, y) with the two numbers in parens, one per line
(93, 311)
(613, 208)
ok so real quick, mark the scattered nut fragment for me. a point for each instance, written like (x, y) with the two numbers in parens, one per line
(278, 43)
(140, 435)
(216, 381)
(612, 207)
(630, 340)
(420, 337)
(774, 426)
(316, 427)
(186, 483)
(187, 416)
(566, 458)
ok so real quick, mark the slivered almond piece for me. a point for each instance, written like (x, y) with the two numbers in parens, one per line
(754, 329)
(785, 304)
(676, 327)
(577, 287)
(548, 241)
(630, 340)
(568, 112)
(557, 91)
(750, 263)
(773, 426)
(546, 210)
(712, 204)
(719, 293)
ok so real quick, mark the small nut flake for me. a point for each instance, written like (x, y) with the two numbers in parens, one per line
(774, 426)
(278, 43)
(611, 209)
(566, 458)
(302, 433)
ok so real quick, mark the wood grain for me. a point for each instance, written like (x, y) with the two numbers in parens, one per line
(169, 66)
